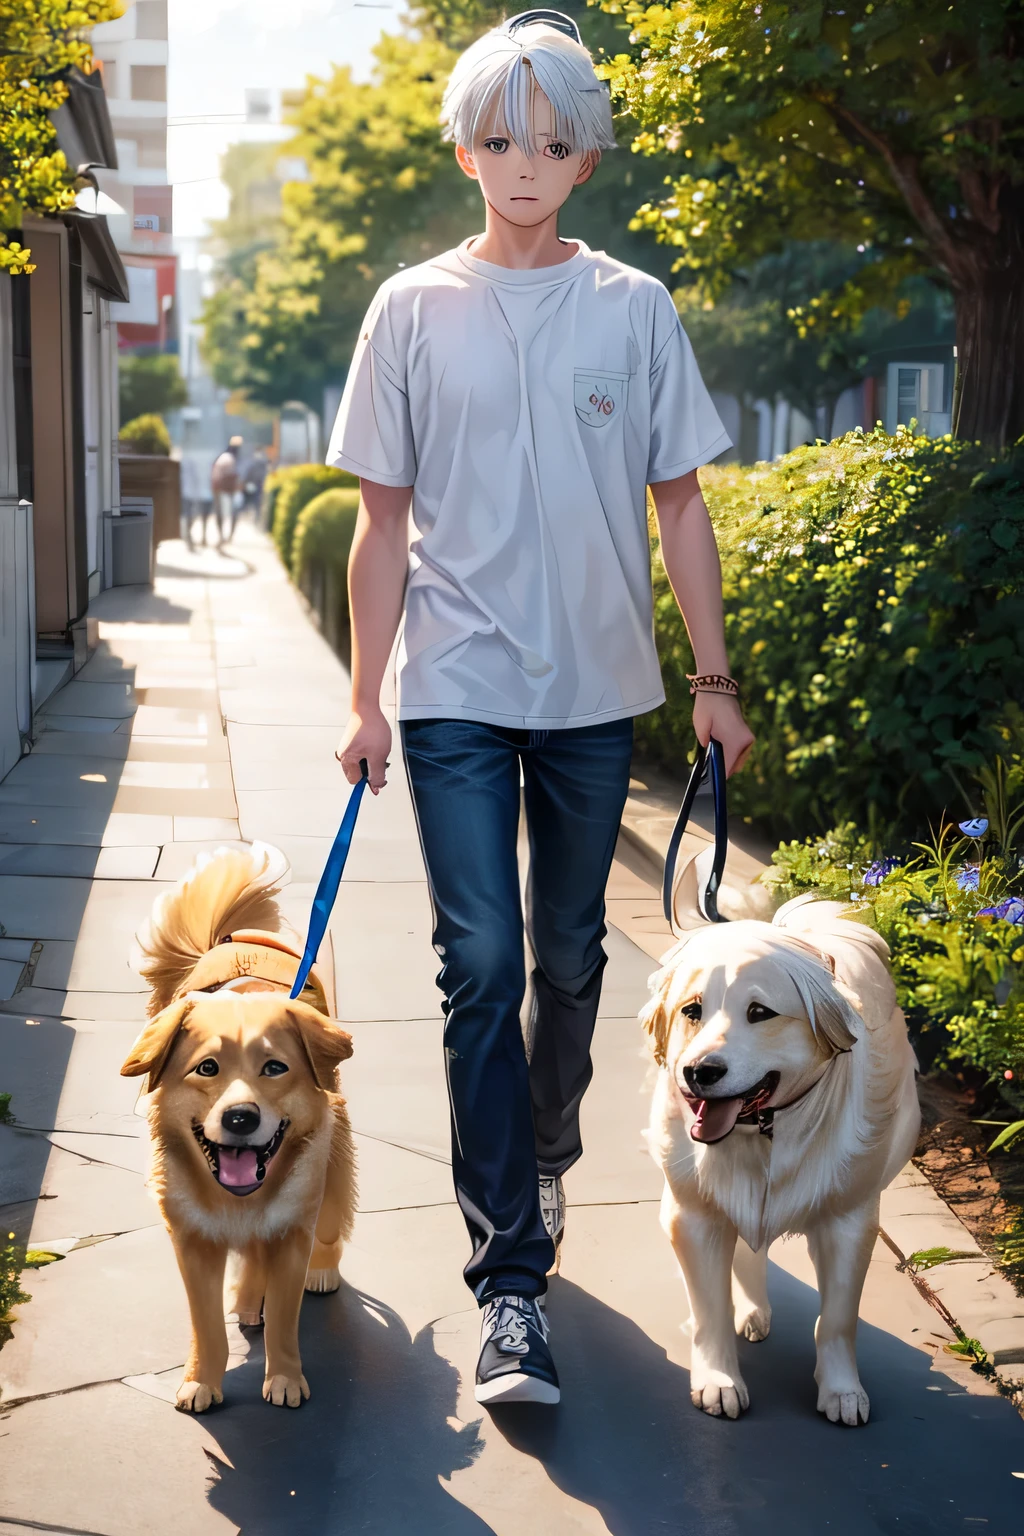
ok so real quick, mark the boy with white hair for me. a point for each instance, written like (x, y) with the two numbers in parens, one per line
(522, 392)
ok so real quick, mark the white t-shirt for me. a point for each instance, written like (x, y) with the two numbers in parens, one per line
(528, 410)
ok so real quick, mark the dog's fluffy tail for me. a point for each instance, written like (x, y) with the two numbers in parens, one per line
(223, 891)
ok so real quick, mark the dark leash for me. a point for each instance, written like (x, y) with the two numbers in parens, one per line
(330, 880)
(710, 761)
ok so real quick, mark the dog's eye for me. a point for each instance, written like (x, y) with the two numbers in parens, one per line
(758, 1012)
(274, 1069)
(692, 1010)
(207, 1068)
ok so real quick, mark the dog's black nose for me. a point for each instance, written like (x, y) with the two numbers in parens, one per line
(704, 1076)
(241, 1119)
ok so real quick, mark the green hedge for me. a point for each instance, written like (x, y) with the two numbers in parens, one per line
(874, 591)
(323, 533)
(320, 551)
(289, 489)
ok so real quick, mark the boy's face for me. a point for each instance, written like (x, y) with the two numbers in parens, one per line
(526, 189)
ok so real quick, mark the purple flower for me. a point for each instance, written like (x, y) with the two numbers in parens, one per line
(1010, 911)
(969, 877)
(876, 872)
(975, 828)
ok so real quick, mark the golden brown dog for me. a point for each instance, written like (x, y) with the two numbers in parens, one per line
(252, 1147)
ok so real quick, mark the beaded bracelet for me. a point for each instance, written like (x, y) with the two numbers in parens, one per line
(712, 682)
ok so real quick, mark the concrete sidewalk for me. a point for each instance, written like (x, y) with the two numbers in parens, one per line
(210, 713)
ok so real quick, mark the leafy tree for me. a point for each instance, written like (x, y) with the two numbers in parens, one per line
(894, 128)
(39, 41)
(150, 384)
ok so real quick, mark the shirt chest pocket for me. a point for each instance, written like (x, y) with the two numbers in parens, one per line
(600, 396)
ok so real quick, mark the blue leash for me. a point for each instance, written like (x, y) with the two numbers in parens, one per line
(327, 890)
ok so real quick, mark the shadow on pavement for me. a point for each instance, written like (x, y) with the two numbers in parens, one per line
(366, 1452)
(627, 1441)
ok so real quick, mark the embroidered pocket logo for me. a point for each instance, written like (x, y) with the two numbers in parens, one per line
(600, 397)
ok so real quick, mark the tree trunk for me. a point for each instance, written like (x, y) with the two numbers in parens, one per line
(989, 401)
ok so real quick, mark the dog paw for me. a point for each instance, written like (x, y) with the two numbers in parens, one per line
(285, 1391)
(754, 1324)
(247, 1319)
(196, 1397)
(720, 1395)
(847, 1405)
(323, 1279)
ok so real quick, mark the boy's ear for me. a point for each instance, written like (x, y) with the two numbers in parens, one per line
(324, 1042)
(153, 1047)
(591, 160)
(465, 161)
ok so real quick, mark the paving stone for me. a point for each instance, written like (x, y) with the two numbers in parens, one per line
(197, 829)
(113, 701)
(84, 725)
(112, 1310)
(50, 1003)
(90, 1435)
(10, 975)
(52, 742)
(54, 859)
(86, 828)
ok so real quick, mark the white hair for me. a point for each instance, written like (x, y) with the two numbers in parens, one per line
(495, 82)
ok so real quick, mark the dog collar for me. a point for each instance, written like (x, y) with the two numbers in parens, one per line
(252, 955)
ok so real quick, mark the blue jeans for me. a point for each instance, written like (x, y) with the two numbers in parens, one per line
(513, 1115)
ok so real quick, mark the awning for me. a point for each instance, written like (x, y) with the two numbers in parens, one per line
(84, 129)
(102, 262)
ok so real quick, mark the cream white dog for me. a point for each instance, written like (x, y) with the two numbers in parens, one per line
(786, 1102)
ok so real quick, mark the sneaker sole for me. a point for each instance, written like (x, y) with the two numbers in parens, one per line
(516, 1387)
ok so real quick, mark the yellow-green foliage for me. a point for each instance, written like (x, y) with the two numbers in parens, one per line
(874, 592)
(323, 533)
(289, 490)
(146, 434)
(39, 39)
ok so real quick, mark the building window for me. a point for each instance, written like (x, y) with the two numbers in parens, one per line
(151, 19)
(149, 82)
(108, 73)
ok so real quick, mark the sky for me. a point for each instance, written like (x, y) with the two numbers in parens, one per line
(218, 48)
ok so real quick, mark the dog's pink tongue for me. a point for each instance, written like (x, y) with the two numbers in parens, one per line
(715, 1118)
(237, 1166)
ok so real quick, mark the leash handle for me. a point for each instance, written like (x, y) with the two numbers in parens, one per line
(710, 759)
(330, 880)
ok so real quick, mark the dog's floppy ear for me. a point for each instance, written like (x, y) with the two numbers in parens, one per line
(655, 1016)
(833, 1017)
(153, 1047)
(324, 1042)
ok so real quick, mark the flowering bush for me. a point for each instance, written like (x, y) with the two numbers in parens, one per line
(957, 943)
(874, 591)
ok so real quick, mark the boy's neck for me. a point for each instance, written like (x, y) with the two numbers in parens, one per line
(520, 247)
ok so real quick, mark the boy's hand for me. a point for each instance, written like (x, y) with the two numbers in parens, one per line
(366, 735)
(718, 715)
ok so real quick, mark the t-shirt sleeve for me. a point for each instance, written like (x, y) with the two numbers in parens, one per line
(686, 430)
(372, 435)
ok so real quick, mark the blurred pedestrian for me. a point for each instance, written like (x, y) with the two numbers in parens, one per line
(253, 478)
(225, 481)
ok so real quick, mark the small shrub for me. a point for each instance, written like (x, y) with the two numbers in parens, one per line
(323, 532)
(146, 434)
(149, 383)
(12, 1259)
(291, 488)
(874, 591)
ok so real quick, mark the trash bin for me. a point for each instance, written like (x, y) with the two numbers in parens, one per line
(131, 545)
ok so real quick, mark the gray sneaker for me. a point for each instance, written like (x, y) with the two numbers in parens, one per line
(552, 1210)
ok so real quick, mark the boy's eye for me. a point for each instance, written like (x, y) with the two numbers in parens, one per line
(557, 150)
(496, 146)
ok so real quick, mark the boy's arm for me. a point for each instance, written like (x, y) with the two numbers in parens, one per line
(377, 569)
(690, 556)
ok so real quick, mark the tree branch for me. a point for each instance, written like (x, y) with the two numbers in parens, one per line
(904, 173)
